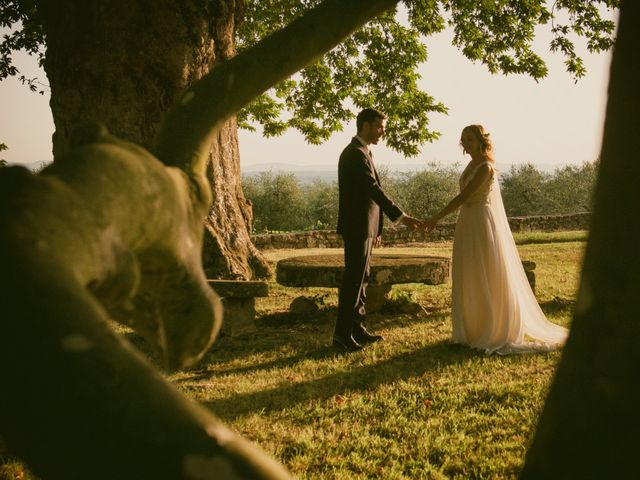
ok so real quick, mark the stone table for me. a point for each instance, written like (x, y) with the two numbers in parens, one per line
(238, 300)
(387, 269)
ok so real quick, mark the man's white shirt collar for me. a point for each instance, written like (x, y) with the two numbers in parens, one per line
(364, 144)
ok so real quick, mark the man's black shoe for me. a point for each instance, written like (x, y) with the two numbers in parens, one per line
(363, 337)
(346, 344)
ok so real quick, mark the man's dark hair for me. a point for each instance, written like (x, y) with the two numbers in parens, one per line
(368, 115)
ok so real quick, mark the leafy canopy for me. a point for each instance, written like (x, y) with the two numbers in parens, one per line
(378, 64)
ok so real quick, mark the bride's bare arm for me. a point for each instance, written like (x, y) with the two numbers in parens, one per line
(482, 174)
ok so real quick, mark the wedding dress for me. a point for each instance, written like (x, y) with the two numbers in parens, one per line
(493, 306)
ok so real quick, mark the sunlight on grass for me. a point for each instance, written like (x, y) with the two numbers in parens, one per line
(414, 406)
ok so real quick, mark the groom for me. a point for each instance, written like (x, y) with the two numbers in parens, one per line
(361, 205)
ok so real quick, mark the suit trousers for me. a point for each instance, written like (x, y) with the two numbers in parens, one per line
(352, 295)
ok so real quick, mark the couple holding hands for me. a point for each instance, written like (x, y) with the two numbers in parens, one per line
(493, 307)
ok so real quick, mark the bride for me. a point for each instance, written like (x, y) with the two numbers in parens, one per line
(493, 307)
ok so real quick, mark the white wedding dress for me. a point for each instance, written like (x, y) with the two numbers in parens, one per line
(493, 306)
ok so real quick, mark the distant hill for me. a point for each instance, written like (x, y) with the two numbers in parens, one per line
(304, 173)
(308, 173)
(329, 173)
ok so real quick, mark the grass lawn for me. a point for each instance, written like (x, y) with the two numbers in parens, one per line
(411, 407)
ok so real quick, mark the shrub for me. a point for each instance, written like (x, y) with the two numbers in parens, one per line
(527, 191)
(278, 202)
(322, 204)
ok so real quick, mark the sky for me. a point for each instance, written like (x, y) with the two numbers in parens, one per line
(551, 123)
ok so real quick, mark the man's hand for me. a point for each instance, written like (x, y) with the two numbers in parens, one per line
(411, 222)
(377, 243)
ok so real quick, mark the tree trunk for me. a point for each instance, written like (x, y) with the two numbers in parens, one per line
(123, 63)
(110, 228)
(590, 427)
(228, 251)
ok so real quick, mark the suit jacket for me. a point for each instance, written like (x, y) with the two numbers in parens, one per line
(361, 199)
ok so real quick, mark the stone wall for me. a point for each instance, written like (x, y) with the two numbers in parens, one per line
(402, 235)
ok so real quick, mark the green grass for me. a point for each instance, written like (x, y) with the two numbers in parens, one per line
(411, 407)
(550, 237)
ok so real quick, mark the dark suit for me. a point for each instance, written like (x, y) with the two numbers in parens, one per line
(362, 203)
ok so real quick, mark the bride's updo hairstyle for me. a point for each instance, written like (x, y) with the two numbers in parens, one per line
(483, 137)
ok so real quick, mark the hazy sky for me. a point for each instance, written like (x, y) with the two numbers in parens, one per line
(553, 122)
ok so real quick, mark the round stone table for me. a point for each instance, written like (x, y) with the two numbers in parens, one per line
(386, 270)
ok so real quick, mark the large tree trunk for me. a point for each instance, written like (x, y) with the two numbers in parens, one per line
(590, 427)
(107, 229)
(228, 251)
(123, 63)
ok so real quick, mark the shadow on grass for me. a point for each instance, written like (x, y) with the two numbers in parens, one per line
(352, 378)
(400, 319)
(558, 305)
(308, 337)
(290, 319)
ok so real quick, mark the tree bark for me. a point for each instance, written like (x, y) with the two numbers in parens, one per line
(123, 63)
(590, 426)
(228, 251)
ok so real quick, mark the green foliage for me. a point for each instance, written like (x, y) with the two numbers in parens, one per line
(571, 188)
(322, 204)
(403, 296)
(378, 64)
(522, 190)
(402, 299)
(3, 162)
(527, 191)
(420, 194)
(500, 34)
(282, 203)
(27, 33)
(425, 192)
(278, 202)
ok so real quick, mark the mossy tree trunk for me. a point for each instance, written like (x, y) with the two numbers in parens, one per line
(590, 426)
(123, 63)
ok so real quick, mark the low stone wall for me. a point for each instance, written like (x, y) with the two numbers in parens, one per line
(551, 223)
(402, 235)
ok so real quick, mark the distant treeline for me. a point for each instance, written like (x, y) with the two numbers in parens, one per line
(283, 203)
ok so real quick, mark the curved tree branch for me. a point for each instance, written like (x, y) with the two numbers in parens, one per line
(187, 131)
(110, 233)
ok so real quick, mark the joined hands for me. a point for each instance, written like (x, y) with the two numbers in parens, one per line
(414, 223)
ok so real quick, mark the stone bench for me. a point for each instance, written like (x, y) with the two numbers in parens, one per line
(386, 270)
(238, 299)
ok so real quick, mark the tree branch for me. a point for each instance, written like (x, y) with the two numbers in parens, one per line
(189, 127)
